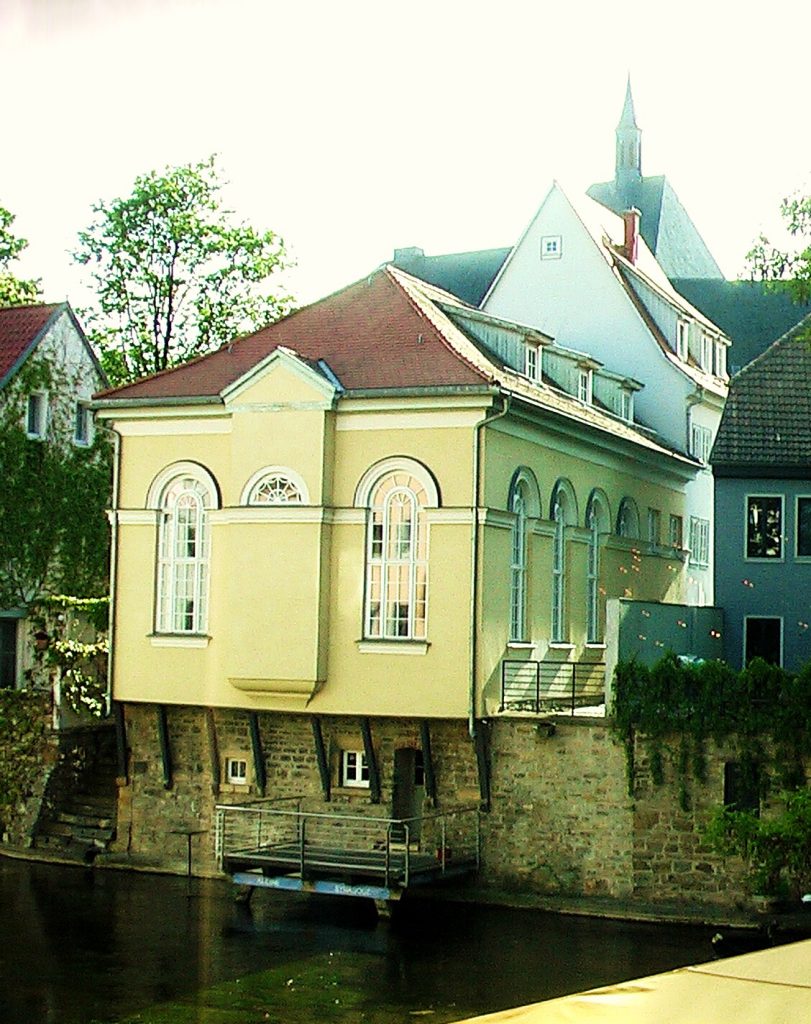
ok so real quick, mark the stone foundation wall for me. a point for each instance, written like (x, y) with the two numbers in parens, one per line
(28, 752)
(561, 818)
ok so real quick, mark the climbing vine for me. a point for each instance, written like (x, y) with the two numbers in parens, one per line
(71, 636)
(762, 710)
(54, 536)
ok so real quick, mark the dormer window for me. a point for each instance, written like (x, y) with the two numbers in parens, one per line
(627, 405)
(584, 385)
(706, 352)
(682, 339)
(551, 247)
(532, 362)
(720, 360)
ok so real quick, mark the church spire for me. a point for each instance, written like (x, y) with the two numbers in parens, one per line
(628, 167)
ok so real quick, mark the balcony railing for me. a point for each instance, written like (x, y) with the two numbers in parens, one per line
(552, 686)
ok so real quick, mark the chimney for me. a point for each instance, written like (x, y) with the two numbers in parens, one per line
(631, 247)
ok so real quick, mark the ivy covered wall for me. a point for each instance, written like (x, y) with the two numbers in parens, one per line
(28, 752)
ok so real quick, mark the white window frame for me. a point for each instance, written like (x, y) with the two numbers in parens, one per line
(721, 360)
(707, 346)
(780, 554)
(532, 361)
(36, 415)
(518, 564)
(699, 541)
(183, 579)
(236, 771)
(593, 634)
(682, 339)
(675, 532)
(627, 405)
(558, 624)
(700, 441)
(584, 385)
(551, 247)
(354, 769)
(393, 566)
(82, 425)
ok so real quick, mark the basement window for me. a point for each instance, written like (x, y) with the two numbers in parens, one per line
(354, 769)
(236, 771)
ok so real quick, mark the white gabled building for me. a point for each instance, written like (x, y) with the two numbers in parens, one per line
(585, 276)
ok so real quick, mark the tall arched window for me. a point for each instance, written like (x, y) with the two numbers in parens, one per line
(518, 563)
(397, 558)
(563, 511)
(183, 555)
(596, 518)
(628, 519)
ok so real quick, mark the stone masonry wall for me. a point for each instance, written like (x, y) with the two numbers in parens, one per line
(561, 818)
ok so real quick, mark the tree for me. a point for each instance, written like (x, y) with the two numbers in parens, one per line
(175, 276)
(14, 291)
(787, 269)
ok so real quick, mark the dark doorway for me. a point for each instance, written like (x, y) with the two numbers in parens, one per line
(8, 653)
(762, 639)
(409, 789)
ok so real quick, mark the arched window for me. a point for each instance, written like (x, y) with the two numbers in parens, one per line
(518, 563)
(397, 557)
(596, 518)
(563, 512)
(183, 554)
(275, 485)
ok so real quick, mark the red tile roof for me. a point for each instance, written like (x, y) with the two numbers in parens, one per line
(19, 328)
(371, 334)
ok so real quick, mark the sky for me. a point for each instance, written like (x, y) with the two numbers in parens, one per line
(352, 128)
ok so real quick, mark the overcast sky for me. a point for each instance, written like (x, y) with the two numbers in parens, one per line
(352, 128)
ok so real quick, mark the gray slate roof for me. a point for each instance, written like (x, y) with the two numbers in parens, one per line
(666, 226)
(467, 275)
(766, 425)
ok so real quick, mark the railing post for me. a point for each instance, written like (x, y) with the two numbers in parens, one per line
(387, 862)
(537, 687)
(444, 840)
(407, 855)
(301, 845)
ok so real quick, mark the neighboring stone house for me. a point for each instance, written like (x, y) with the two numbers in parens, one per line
(762, 467)
(48, 373)
(357, 546)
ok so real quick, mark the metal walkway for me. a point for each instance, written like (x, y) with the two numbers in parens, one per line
(270, 845)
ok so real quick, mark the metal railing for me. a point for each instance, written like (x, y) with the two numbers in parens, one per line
(551, 686)
(262, 827)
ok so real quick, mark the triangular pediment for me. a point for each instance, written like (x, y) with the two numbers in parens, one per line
(284, 378)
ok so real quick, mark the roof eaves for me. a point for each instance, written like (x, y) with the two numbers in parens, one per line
(20, 360)
(141, 403)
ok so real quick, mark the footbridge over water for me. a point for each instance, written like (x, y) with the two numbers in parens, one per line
(281, 844)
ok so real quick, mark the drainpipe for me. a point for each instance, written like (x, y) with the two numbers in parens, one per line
(113, 562)
(474, 559)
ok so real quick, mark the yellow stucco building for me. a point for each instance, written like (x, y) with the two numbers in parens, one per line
(386, 518)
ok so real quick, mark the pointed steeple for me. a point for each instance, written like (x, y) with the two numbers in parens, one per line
(628, 166)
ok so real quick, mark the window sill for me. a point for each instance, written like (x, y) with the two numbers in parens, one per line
(520, 645)
(393, 646)
(560, 645)
(350, 790)
(179, 639)
(596, 645)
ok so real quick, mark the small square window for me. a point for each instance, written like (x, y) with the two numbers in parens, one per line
(236, 771)
(551, 247)
(36, 415)
(354, 769)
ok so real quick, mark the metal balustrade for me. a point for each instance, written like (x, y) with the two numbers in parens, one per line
(551, 686)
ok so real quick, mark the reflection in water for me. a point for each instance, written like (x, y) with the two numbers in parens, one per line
(80, 945)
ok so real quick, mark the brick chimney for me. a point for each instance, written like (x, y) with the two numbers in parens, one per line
(631, 246)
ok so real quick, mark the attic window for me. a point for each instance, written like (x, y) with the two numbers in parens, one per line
(584, 385)
(706, 352)
(532, 362)
(682, 338)
(551, 247)
(36, 415)
(720, 360)
(627, 405)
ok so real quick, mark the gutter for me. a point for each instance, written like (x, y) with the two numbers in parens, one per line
(113, 564)
(474, 559)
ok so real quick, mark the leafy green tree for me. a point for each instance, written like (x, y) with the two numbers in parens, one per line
(174, 274)
(788, 269)
(14, 291)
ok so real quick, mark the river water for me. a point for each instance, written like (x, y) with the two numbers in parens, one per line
(80, 946)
